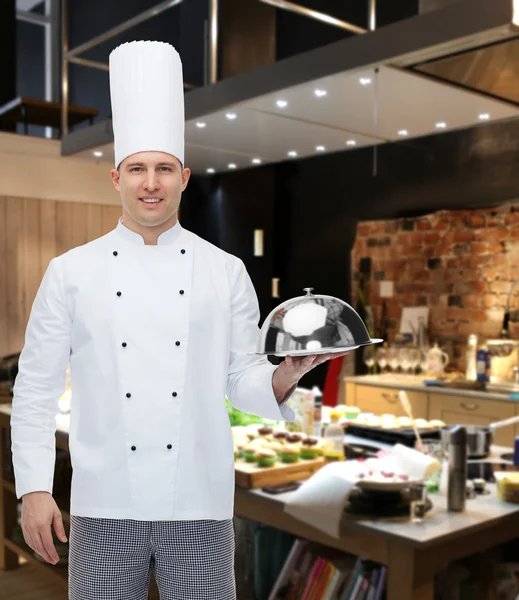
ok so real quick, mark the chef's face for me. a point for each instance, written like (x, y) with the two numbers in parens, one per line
(151, 185)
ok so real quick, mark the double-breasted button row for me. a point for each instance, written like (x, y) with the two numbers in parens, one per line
(124, 344)
(174, 394)
(115, 253)
(169, 446)
(181, 292)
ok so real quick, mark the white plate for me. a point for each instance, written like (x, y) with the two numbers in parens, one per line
(303, 352)
(387, 486)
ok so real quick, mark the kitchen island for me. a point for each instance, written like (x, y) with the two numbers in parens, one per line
(413, 553)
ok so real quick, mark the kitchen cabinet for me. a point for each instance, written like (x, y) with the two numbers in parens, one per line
(384, 400)
(463, 410)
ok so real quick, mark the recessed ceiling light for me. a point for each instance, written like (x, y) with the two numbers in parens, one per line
(282, 103)
(320, 93)
(200, 124)
(292, 153)
(231, 166)
(97, 153)
(364, 80)
(403, 132)
(210, 170)
(484, 117)
(441, 125)
(320, 148)
(256, 161)
(231, 116)
(351, 143)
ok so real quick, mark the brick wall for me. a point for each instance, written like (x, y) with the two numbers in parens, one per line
(461, 264)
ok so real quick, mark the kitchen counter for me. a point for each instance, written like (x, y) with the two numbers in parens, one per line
(414, 553)
(415, 383)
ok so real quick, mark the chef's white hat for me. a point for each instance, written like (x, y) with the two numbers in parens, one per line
(147, 93)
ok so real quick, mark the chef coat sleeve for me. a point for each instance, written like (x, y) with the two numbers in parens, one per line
(249, 385)
(40, 382)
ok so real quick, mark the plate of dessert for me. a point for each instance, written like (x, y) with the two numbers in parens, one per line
(369, 479)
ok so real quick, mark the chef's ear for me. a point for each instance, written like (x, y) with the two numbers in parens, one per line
(186, 174)
(116, 175)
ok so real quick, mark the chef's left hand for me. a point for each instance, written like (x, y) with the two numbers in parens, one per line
(295, 368)
(290, 371)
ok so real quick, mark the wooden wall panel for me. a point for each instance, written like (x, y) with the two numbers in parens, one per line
(110, 217)
(14, 278)
(3, 271)
(30, 252)
(32, 232)
(47, 233)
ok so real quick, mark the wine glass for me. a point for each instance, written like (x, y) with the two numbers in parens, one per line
(403, 356)
(423, 360)
(381, 358)
(392, 358)
(414, 359)
(368, 355)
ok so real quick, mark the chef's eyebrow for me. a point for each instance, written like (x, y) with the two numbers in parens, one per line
(141, 164)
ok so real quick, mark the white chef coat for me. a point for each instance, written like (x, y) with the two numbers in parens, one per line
(156, 337)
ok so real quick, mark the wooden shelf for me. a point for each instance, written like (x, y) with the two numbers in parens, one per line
(9, 486)
(59, 573)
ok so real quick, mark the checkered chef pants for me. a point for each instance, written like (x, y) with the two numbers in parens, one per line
(113, 559)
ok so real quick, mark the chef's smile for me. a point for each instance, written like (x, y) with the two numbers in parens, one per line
(151, 201)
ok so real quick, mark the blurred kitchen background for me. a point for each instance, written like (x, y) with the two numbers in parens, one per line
(401, 193)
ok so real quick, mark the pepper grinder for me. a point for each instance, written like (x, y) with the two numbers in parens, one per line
(457, 474)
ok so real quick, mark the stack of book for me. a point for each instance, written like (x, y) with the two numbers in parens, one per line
(314, 572)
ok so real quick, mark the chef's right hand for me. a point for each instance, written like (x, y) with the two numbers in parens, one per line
(39, 513)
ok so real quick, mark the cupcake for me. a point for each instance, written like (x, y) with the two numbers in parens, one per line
(436, 423)
(280, 436)
(266, 432)
(295, 438)
(266, 457)
(249, 453)
(319, 447)
(405, 422)
(276, 446)
(309, 448)
(390, 425)
(351, 413)
(290, 453)
(373, 422)
(422, 424)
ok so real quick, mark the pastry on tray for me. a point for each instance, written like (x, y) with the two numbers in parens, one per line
(309, 448)
(249, 453)
(405, 422)
(266, 432)
(276, 446)
(295, 438)
(280, 436)
(290, 453)
(266, 457)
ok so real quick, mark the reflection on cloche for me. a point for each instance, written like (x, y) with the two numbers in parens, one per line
(312, 324)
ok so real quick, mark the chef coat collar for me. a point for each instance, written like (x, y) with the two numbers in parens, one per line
(168, 237)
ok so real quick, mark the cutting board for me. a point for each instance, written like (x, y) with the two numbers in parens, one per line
(250, 475)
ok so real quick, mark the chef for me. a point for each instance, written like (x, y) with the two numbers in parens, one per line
(156, 325)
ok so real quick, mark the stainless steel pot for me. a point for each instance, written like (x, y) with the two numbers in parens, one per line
(479, 438)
